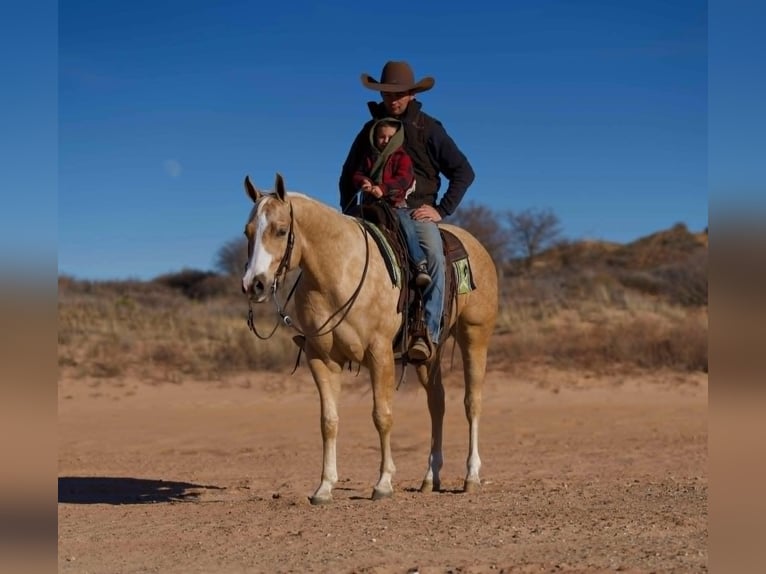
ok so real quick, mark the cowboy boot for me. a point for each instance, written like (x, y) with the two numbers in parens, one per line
(422, 278)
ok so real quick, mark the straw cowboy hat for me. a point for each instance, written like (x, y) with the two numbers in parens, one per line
(397, 77)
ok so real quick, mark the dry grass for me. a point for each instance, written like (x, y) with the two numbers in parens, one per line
(585, 305)
(595, 305)
(581, 320)
(155, 332)
(590, 335)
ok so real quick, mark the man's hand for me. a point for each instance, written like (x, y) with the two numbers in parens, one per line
(426, 213)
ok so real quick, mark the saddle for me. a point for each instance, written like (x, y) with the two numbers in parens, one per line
(383, 224)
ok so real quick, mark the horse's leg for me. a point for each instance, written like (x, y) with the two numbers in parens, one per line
(435, 394)
(327, 379)
(381, 367)
(474, 341)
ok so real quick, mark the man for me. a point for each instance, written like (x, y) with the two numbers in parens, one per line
(433, 154)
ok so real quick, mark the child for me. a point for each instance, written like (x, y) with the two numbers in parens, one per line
(386, 173)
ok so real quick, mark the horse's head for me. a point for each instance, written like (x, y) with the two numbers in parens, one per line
(269, 240)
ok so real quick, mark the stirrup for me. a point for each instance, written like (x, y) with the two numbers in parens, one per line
(420, 350)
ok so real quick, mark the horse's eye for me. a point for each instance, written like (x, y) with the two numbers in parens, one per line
(281, 232)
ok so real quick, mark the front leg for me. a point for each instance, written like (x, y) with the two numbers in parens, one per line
(381, 366)
(327, 379)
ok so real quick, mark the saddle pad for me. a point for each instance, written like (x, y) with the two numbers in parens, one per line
(394, 271)
(457, 256)
(463, 277)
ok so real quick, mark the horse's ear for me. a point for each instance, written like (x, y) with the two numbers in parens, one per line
(252, 193)
(279, 186)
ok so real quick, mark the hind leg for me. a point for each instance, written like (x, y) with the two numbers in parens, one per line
(432, 382)
(474, 342)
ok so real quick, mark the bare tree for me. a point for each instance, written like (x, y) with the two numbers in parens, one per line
(532, 231)
(486, 226)
(232, 256)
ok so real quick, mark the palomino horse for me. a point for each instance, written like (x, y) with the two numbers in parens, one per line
(346, 308)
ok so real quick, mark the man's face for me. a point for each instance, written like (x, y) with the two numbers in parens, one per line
(396, 102)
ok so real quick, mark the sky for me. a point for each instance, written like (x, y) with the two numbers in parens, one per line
(596, 110)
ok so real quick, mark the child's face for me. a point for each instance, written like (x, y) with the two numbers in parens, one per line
(383, 135)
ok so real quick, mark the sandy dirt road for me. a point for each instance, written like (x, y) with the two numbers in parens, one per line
(580, 474)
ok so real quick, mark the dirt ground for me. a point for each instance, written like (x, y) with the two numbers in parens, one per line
(580, 474)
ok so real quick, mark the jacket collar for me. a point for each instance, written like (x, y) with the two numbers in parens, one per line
(378, 110)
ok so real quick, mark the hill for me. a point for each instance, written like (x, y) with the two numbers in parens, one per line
(670, 246)
(670, 264)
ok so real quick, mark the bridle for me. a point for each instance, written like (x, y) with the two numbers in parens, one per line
(281, 273)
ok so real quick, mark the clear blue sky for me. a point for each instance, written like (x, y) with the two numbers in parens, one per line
(595, 109)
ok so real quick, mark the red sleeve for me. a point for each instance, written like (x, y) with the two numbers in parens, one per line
(360, 175)
(400, 179)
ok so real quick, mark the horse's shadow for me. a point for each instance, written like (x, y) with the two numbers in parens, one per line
(122, 490)
(442, 490)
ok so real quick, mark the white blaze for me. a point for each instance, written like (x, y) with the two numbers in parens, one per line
(260, 260)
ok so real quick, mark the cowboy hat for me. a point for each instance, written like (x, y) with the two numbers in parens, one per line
(397, 77)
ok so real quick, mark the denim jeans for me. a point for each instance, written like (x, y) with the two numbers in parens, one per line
(411, 236)
(429, 241)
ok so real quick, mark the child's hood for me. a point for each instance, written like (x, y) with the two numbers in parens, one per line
(395, 141)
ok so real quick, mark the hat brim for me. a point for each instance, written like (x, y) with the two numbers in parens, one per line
(422, 86)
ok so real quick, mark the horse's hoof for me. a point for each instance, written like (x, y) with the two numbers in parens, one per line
(320, 500)
(471, 486)
(380, 494)
(430, 486)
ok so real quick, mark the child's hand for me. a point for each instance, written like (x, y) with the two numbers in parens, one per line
(376, 191)
(367, 186)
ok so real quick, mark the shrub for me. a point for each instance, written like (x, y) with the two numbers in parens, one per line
(196, 284)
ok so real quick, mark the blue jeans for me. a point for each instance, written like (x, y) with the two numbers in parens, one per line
(428, 243)
(411, 235)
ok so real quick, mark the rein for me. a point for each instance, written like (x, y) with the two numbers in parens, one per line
(282, 272)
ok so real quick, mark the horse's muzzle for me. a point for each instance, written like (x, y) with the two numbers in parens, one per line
(256, 291)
